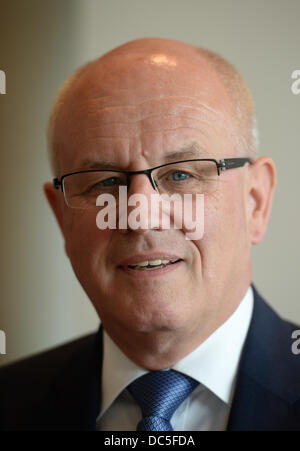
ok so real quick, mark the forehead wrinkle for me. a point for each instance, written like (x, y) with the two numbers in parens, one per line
(163, 104)
(115, 100)
(155, 123)
(145, 119)
(110, 122)
(146, 133)
(142, 123)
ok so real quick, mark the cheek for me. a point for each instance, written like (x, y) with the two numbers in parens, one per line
(85, 243)
(224, 226)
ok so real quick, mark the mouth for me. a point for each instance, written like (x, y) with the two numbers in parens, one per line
(152, 263)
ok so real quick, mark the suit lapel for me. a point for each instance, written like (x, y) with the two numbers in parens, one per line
(268, 383)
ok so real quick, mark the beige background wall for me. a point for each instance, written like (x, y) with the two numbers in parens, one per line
(41, 42)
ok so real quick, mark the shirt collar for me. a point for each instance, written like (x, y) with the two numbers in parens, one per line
(213, 364)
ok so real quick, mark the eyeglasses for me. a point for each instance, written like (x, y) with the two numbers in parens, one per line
(82, 188)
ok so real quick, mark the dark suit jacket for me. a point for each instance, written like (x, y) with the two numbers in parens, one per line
(61, 389)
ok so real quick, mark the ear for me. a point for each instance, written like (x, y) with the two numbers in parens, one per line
(56, 202)
(262, 182)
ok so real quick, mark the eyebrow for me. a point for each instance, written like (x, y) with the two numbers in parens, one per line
(191, 151)
(188, 152)
(98, 164)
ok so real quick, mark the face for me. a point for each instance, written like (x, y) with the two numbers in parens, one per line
(134, 111)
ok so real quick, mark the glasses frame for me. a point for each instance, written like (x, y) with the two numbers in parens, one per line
(223, 165)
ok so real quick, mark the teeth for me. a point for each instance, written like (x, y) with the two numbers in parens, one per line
(141, 268)
(155, 262)
(151, 263)
(140, 264)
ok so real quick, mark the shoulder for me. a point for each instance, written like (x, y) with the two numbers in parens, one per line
(25, 384)
(270, 341)
(275, 331)
(267, 394)
(45, 363)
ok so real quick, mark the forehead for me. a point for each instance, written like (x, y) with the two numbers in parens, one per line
(130, 111)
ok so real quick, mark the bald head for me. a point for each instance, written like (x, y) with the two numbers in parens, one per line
(143, 71)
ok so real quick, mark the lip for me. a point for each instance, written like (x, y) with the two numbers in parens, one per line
(138, 258)
(142, 274)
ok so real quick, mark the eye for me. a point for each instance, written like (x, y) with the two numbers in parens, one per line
(177, 176)
(112, 181)
(109, 183)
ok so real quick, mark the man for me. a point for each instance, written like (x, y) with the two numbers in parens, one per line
(175, 312)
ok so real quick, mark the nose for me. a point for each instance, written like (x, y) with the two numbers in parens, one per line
(141, 183)
(139, 199)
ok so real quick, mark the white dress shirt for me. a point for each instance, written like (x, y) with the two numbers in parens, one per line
(214, 364)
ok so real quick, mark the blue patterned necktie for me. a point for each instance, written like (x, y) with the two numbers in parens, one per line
(159, 394)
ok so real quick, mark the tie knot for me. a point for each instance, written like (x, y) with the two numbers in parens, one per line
(159, 394)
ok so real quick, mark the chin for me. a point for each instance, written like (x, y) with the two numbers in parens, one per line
(158, 320)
